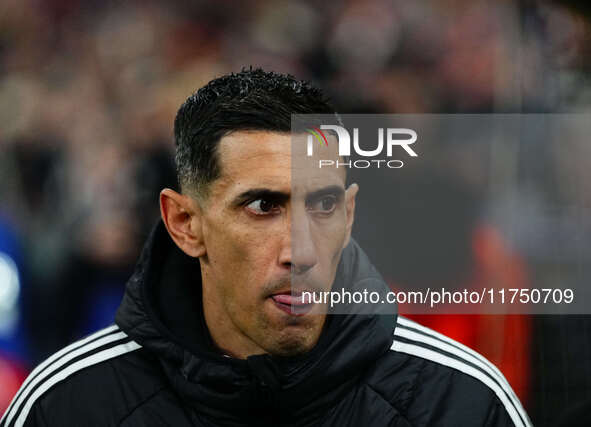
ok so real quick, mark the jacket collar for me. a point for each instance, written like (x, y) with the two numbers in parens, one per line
(162, 311)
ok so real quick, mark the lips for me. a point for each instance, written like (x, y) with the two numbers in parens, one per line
(289, 299)
(292, 303)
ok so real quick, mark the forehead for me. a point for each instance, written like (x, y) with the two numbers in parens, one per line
(262, 159)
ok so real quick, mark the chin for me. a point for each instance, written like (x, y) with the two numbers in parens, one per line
(287, 335)
(290, 349)
(294, 342)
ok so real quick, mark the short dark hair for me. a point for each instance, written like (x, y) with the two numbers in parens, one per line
(252, 99)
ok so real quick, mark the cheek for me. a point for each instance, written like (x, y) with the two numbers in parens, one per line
(329, 239)
(329, 236)
(241, 259)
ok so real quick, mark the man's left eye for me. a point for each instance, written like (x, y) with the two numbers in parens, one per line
(262, 207)
(324, 205)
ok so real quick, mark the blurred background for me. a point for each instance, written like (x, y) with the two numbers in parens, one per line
(88, 94)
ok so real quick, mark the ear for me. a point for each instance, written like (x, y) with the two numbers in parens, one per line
(182, 217)
(350, 194)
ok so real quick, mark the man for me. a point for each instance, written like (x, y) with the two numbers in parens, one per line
(213, 329)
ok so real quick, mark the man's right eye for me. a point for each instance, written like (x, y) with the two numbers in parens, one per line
(262, 207)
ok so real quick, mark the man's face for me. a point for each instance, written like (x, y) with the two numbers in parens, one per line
(271, 229)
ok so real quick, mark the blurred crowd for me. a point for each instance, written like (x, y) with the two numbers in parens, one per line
(89, 90)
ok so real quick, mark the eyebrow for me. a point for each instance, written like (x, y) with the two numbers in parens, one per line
(282, 197)
(260, 193)
(331, 190)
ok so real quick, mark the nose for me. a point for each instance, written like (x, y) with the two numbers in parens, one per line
(300, 253)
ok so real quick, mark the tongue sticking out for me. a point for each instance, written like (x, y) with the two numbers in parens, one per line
(294, 305)
(290, 299)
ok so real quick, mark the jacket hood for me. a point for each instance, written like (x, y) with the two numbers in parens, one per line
(162, 311)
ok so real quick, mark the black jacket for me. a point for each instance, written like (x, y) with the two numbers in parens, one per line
(157, 367)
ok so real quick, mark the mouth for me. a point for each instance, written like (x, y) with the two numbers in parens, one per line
(293, 303)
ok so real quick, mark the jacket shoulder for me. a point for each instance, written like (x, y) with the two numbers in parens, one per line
(94, 381)
(427, 374)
